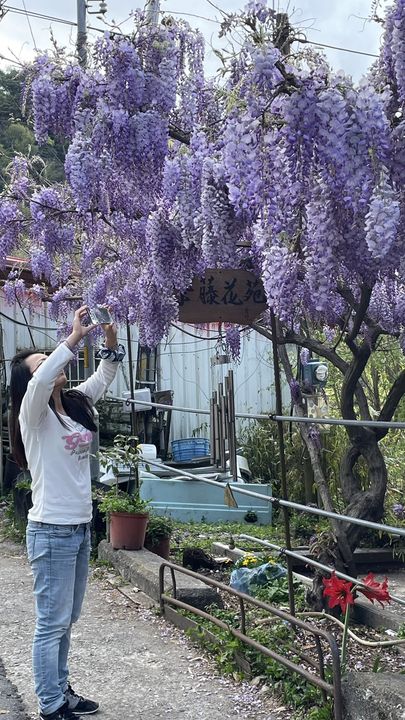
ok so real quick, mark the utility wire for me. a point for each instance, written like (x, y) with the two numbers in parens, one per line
(33, 327)
(199, 17)
(29, 25)
(51, 18)
(334, 47)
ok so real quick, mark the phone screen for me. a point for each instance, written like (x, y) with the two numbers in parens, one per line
(100, 315)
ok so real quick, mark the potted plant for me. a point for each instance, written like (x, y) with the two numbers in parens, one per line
(158, 533)
(128, 514)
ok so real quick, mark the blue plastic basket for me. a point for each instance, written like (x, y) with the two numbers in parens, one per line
(190, 448)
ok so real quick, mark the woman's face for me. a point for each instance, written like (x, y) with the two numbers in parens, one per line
(35, 360)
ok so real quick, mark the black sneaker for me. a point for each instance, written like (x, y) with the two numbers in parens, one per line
(62, 713)
(79, 705)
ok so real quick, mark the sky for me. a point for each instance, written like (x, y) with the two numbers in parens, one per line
(342, 23)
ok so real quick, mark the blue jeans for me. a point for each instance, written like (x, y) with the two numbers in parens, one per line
(59, 558)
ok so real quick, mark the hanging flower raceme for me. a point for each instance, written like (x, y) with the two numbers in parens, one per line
(398, 38)
(232, 339)
(295, 388)
(14, 289)
(221, 228)
(243, 164)
(52, 222)
(20, 182)
(53, 97)
(304, 356)
(11, 219)
(382, 220)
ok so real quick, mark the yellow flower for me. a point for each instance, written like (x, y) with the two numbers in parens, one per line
(249, 560)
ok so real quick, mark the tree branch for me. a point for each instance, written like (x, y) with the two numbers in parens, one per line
(320, 349)
(177, 134)
(291, 338)
(314, 451)
(361, 311)
(358, 434)
(391, 403)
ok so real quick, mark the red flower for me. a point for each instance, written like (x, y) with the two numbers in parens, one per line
(375, 590)
(339, 592)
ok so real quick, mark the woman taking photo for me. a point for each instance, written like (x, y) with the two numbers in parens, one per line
(51, 432)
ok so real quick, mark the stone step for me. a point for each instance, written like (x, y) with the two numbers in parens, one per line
(141, 568)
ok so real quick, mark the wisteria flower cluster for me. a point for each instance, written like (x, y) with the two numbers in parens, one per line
(291, 171)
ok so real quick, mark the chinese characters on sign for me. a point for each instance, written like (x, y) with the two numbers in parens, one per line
(235, 296)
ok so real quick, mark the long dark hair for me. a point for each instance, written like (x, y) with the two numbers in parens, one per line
(76, 405)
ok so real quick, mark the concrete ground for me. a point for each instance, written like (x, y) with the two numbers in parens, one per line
(124, 655)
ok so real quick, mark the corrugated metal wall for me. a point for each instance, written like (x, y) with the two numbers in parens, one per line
(184, 366)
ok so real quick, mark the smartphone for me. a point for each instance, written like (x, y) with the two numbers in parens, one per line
(100, 315)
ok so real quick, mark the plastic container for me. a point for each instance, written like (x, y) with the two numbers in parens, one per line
(141, 394)
(190, 448)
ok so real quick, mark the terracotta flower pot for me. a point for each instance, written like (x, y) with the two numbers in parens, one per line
(160, 547)
(127, 530)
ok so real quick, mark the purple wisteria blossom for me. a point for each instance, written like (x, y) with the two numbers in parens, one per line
(295, 391)
(259, 10)
(14, 290)
(382, 221)
(293, 172)
(232, 340)
(398, 50)
(399, 510)
(11, 220)
(304, 356)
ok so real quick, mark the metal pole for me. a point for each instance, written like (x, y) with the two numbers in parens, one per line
(283, 469)
(133, 482)
(131, 379)
(152, 11)
(275, 418)
(1, 431)
(81, 32)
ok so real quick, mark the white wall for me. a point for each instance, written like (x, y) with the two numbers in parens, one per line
(185, 367)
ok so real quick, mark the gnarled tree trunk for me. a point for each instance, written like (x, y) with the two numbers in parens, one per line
(367, 502)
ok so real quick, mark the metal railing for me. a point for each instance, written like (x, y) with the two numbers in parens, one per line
(304, 508)
(392, 424)
(332, 689)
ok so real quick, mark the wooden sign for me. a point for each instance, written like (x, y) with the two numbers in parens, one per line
(235, 296)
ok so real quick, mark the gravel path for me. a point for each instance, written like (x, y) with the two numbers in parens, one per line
(130, 660)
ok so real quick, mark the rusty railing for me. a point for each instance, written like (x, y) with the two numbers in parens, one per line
(332, 689)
